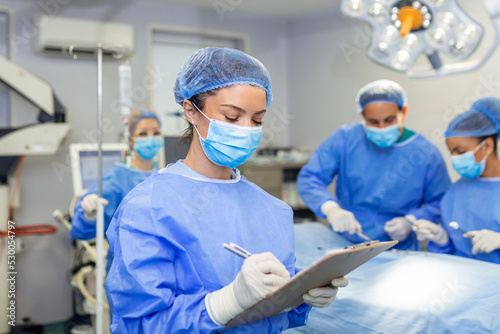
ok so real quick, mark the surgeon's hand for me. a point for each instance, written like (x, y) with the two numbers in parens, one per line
(340, 220)
(427, 230)
(398, 228)
(324, 296)
(485, 241)
(260, 275)
(89, 206)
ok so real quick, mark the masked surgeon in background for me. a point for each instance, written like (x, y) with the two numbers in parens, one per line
(145, 141)
(170, 273)
(387, 175)
(473, 202)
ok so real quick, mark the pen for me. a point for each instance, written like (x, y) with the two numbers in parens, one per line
(237, 250)
(364, 236)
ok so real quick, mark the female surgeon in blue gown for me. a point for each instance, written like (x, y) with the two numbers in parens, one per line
(473, 202)
(145, 141)
(386, 175)
(170, 273)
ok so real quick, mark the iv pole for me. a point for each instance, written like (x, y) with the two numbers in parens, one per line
(99, 271)
(100, 207)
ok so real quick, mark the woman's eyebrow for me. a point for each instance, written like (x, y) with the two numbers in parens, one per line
(241, 110)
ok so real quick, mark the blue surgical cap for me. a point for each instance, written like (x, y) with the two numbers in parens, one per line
(381, 91)
(483, 119)
(137, 116)
(212, 68)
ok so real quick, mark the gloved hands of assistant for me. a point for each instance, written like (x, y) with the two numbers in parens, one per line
(324, 296)
(260, 275)
(429, 231)
(89, 206)
(340, 220)
(399, 228)
(484, 241)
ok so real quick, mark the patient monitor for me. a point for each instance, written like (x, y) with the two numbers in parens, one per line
(84, 163)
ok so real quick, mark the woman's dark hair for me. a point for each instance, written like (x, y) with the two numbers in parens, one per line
(199, 100)
(495, 142)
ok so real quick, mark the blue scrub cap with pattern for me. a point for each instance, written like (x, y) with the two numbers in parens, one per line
(483, 119)
(138, 115)
(211, 68)
(381, 91)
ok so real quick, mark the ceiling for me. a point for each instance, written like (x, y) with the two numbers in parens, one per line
(284, 9)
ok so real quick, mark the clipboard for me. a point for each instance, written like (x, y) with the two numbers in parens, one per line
(335, 263)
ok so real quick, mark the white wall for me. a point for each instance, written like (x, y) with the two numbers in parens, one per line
(323, 82)
(43, 292)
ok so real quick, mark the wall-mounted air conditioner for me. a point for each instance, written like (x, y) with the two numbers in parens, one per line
(75, 37)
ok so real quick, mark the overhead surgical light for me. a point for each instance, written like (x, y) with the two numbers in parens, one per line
(402, 30)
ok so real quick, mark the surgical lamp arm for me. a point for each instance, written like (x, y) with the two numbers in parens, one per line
(493, 7)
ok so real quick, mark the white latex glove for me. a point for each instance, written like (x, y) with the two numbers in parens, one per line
(260, 275)
(89, 206)
(427, 230)
(485, 241)
(324, 296)
(398, 228)
(341, 220)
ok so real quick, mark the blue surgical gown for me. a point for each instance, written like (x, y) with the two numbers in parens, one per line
(166, 238)
(373, 183)
(116, 183)
(474, 205)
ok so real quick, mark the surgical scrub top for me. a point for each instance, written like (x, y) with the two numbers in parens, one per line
(474, 205)
(375, 184)
(116, 183)
(166, 238)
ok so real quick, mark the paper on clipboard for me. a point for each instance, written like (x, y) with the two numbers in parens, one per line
(333, 264)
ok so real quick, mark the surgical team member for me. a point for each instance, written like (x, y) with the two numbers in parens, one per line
(473, 201)
(170, 273)
(145, 141)
(387, 175)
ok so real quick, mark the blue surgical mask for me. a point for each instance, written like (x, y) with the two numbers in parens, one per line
(228, 144)
(148, 147)
(385, 137)
(465, 164)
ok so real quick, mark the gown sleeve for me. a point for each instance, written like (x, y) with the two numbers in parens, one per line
(84, 229)
(446, 205)
(318, 174)
(145, 279)
(298, 316)
(437, 182)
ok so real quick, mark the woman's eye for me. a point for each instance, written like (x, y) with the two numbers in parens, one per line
(157, 133)
(232, 119)
(257, 122)
(142, 134)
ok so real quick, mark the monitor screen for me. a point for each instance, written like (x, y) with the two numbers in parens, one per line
(89, 167)
(84, 163)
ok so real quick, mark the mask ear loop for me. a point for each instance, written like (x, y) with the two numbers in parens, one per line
(477, 148)
(192, 122)
(200, 110)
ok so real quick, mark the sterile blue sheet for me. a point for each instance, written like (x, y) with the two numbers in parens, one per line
(403, 292)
